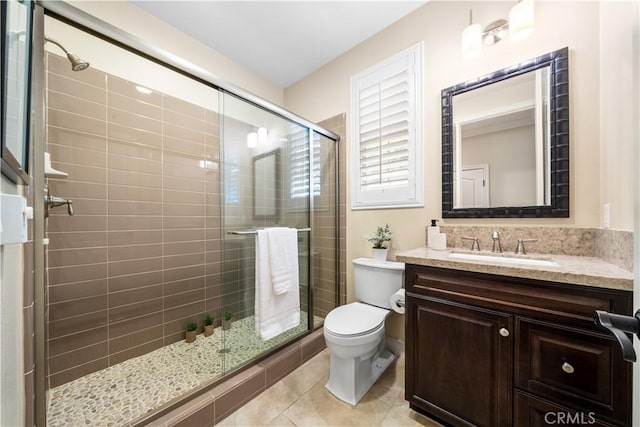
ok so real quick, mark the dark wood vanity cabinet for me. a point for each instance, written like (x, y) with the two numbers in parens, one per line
(488, 350)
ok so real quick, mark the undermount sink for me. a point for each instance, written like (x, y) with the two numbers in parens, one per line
(503, 259)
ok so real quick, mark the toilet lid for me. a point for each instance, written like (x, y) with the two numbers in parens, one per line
(355, 319)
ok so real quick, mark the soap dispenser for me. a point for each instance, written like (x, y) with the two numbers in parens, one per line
(435, 239)
(432, 230)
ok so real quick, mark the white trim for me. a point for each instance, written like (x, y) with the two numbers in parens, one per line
(411, 195)
(539, 139)
(496, 112)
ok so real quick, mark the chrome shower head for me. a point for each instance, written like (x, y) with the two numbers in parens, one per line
(77, 64)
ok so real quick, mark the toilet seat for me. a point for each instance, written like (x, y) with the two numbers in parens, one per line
(354, 320)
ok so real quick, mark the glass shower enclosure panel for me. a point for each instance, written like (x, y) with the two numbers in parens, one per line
(324, 188)
(265, 171)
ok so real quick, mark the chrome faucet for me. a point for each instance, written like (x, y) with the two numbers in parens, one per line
(520, 247)
(475, 246)
(497, 247)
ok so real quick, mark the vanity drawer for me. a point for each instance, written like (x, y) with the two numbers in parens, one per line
(573, 367)
(554, 302)
(530, 411)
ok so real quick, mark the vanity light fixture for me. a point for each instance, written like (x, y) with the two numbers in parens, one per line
(519, 26)
(471, 39)
(521, 21)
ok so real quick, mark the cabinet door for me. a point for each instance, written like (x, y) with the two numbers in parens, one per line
(459, 362)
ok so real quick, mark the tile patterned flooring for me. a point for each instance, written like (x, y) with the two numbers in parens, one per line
(301, 399)
(112, 396)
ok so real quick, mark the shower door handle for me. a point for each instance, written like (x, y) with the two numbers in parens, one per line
(51, 202)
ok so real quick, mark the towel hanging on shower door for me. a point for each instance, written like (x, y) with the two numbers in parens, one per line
(276, 312)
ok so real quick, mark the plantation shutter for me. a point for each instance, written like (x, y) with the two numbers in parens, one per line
(299, 160)
(387, 133)
(384, 132)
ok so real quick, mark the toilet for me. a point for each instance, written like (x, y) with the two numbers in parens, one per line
(354, 333)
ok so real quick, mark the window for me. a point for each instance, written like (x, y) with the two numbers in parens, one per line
(299, 159)
(386, 110)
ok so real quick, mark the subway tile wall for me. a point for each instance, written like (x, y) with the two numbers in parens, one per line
(324, 297)
(141, 257)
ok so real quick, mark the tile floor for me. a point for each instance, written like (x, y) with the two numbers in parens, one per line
(111, 397)
(300, 399)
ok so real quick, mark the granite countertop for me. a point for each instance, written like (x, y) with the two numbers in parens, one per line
(580, 270)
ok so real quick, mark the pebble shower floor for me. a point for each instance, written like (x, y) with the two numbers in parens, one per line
(121, 394)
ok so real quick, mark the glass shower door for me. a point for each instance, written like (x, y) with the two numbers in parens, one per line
(265, 171)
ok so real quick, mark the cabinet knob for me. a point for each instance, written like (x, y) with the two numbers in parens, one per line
(568, 368)
(504, 332)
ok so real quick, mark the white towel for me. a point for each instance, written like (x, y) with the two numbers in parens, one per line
(274, 313)
(283, 256)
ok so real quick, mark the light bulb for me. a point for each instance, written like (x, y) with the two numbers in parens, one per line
(472, 41)
(521, 20)
(252, 140)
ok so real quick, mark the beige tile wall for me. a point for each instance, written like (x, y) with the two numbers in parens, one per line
(325, 288)
(141, 257)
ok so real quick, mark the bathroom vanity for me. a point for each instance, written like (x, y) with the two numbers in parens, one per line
(492, 344)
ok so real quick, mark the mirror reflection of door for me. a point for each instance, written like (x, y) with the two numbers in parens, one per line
(475, 186)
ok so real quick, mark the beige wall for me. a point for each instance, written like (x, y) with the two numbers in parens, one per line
(128, 17)
(439, 25)
(616, 112)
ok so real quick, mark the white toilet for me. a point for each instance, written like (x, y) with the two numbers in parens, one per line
(354, 333)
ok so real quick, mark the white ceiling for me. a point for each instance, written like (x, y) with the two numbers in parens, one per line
(282, 41)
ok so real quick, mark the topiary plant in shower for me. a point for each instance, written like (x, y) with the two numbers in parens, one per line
(226, 319)
(191, 332)
(208, 325)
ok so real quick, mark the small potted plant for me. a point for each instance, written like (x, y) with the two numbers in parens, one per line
(226, 320)
(191, 332)
(379, 240)
(208, 325)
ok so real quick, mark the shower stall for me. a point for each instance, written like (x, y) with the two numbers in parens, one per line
(167, 174)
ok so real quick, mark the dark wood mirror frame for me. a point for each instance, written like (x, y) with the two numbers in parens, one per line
(558, 61)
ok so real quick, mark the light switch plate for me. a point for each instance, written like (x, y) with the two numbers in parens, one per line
(606, 215)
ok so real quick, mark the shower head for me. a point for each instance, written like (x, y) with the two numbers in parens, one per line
(77, 64)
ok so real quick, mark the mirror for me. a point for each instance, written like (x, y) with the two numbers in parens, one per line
(266, 185)
(15, 17)
(505, 142)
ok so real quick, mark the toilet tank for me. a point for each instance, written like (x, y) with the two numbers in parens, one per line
(375, 281)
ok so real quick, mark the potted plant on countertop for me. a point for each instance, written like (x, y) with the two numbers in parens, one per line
(383, 235)
(226, 320)
(208, 325)
(191, 332)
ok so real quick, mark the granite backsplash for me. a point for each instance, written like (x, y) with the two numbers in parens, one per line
(613, 246)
